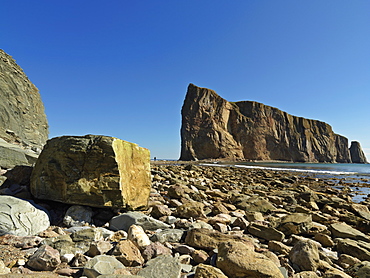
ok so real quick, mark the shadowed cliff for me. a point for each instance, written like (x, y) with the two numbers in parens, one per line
(213, 128)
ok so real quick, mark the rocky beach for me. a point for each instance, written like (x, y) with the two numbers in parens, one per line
(201, 221)
(96, 206)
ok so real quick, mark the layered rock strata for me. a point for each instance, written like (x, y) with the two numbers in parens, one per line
(213, 128)
(357, 155)
(23, 122)
(98, 171)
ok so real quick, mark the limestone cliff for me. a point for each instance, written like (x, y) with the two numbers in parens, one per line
(357, 155)
(23, 122)
(213, 128)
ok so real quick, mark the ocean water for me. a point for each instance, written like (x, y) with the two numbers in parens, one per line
(357, 176)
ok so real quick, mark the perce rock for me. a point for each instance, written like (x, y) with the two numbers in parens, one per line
(213, 128)
(23, 123)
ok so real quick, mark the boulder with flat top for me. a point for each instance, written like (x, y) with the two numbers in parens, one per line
(93, 170)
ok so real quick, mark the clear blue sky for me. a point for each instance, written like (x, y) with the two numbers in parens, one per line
(121, 68)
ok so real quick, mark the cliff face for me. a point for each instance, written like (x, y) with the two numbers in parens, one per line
(357, 155)
(23, 122)
(213, 128)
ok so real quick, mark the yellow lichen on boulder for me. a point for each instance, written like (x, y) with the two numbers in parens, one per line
(93, 170)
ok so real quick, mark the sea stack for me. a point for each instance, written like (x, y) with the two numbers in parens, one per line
(214, 128)
(357, 155)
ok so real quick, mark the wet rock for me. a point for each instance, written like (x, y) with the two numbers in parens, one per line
(208, 271)
(305, 255)
(46, 258)
(236, 259)
(101, 264)
(21, 218)
(78, 216)
(162, 266)
(125, 220)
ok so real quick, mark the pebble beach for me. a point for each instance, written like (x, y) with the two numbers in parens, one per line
(205, 221)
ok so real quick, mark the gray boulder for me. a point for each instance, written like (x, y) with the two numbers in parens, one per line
(78, 216)
(162, 266)
(21, 218)
(101, 264)
(125, 220)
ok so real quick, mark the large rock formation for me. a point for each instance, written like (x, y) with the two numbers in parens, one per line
(357, 155)
(213, 128)
(23, 124)
(93, 170)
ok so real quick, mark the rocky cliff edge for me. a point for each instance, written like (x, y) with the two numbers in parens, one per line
(23, 122)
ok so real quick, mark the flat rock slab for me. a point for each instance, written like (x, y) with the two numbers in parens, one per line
(125, 220)
(21, 218)
(93, 170)
(343, 230)
(101, 264)
(162, 266)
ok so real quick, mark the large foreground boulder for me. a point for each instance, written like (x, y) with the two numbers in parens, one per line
(23, 123)
(93, 170)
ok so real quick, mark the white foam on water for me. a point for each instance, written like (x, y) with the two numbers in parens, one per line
(298, 170)
(283, 169)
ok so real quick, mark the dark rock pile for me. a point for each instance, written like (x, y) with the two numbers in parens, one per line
(203, 221)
